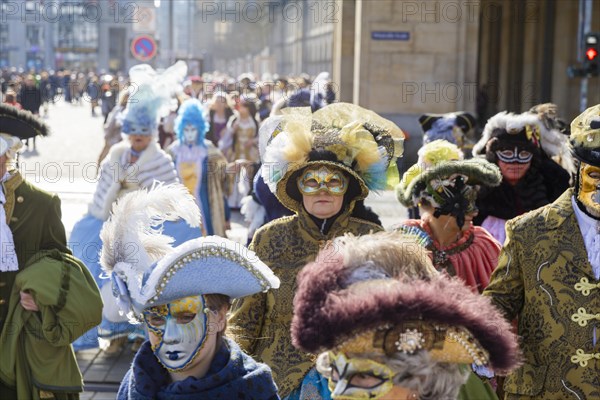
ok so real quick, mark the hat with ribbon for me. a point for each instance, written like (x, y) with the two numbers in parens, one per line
(343, 136)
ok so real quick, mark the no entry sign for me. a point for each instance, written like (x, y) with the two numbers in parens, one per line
(143, 47)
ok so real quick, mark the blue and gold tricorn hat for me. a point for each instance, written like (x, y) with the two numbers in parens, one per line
(146, 271)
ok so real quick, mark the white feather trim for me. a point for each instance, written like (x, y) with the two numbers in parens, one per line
(127, 236)
(259, 268)
(274, 163)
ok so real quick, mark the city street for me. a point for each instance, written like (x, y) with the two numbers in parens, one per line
(65, 163)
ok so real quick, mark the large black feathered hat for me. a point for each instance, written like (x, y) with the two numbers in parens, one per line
(21, 124)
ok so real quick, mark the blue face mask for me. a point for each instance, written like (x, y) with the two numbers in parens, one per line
(182, 328)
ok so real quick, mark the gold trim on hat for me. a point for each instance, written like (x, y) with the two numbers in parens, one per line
(444, 343)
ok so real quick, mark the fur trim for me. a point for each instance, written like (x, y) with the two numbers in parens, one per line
(326, 314)
(154, 165)
(479, 171)
(553, 143)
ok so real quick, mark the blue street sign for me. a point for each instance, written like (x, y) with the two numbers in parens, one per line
(390, 35)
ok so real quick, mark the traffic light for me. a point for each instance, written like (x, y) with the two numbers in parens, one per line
(592, 54)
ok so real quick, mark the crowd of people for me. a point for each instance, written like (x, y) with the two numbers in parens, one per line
(489, 290)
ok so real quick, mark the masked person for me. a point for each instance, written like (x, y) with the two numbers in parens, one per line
(319, 166)
(47, 297)
(524, 148)
(452, 127)
(548, 278)
(389, 327)
(137, 162)
(444, 187)
(182, 295)
(200, 166)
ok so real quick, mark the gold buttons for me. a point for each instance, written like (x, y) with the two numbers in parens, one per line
(20, 199)
(2, 301)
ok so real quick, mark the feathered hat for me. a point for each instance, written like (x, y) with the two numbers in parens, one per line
(526, 130)
(17, 125)
(150, 97)
(144, 268)
(585, 136)
(380, 294)
(442, 126)
(348, 137)
(437, 161)
(192, 113)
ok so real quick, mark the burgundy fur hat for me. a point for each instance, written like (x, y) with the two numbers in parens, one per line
(333, 307)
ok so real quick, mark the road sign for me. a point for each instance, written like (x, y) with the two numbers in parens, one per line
(387, 35)
(143, 47)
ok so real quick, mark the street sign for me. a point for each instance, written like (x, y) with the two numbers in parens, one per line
(143, 47)
(390, 35)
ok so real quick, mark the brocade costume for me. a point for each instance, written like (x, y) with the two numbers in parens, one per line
(545, 280)
(263, 321)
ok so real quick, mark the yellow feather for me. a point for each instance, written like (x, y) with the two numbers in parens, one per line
(300, 143)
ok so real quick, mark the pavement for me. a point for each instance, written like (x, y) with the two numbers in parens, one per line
(65, 163)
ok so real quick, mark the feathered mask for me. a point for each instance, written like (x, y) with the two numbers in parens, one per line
(344, 136)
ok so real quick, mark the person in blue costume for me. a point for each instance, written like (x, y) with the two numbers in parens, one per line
(200, 166)
(137, 162)
(182, 295)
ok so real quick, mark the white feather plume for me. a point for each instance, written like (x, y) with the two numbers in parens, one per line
(133, 235)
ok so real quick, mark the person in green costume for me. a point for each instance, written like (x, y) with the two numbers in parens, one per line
(47, 298)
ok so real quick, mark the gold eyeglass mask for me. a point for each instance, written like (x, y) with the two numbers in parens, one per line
(314, 180)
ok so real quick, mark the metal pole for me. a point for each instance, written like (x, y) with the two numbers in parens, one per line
(171, 34)
(585, 24)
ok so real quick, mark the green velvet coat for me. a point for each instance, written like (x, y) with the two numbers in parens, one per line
(34, 217)
(37, 357)
(544, 279)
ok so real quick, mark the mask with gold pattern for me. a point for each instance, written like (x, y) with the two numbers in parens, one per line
(358, 378)
(182, 328)
(330, 180)
(589, 188)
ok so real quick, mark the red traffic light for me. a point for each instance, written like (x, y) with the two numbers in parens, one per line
(591, 54)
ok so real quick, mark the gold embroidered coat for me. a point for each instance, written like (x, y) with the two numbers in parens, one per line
(262, 322)
(544, 279)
